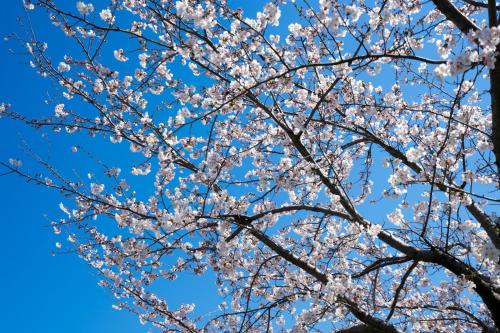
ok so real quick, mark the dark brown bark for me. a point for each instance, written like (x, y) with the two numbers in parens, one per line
(483, 288)
(495, 89)
(358, 329)
(453, 14)
(465, 25)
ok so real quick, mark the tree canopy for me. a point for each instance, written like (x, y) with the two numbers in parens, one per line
(322, 165)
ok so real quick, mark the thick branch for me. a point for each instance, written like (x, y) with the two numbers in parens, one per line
(357, 329)
(376, 324)
(495, 89)
(286, 209)
(479, 4)
(453, 14)
(491, 228)
(483, 287)
(465, 25)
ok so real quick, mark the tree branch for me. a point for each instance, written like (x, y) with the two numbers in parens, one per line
(453, 14)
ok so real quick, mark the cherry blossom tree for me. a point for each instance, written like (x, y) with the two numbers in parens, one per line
(333, 165)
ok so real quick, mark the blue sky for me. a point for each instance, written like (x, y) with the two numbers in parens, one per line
(40, 292)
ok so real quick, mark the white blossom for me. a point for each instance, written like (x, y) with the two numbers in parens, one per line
(96, 189)
(15, 162)
(84, 8)
(107, 16)
(60, 111)
(63, 67)
(397, 218)
(120, 55)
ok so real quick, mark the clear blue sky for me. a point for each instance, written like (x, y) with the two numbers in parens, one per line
(40, 292)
